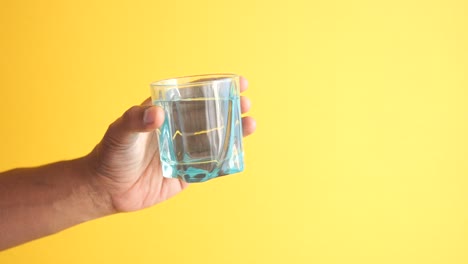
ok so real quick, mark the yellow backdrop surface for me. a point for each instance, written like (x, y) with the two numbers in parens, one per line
(361, 152)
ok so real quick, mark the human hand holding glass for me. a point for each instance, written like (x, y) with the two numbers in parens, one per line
(123, 173)
(127, 164)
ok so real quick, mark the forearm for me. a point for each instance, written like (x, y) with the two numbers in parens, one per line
(36, 202)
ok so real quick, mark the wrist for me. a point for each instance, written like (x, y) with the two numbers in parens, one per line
(96, 195)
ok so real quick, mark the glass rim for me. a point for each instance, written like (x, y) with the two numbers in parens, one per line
(203, 79)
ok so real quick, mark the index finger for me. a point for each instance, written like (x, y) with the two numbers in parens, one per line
(147, 102)
(243, 84)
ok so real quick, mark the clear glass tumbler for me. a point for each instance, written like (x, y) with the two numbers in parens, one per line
(201, 137)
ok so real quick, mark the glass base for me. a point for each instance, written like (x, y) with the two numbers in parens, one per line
(193, 173)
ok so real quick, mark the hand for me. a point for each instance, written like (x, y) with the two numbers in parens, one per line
(126, 166)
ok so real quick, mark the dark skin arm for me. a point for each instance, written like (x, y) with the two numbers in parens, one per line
(121, 174)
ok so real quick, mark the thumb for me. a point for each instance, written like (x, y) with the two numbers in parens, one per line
(135, 120)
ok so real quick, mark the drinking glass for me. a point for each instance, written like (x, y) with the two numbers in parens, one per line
(201, 137)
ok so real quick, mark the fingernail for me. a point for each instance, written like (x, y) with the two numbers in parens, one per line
(148, 116)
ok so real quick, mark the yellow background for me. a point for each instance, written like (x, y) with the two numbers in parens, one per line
(361, 152)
